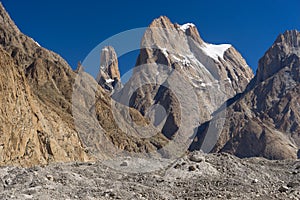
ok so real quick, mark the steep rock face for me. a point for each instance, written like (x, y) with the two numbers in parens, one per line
(109, 75)
(37, 123)
(213, 72)
(264, 121)
(284, 47)
(37, 106)
(43, 68)
(32, 132)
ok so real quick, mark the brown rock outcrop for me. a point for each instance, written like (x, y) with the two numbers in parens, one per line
(37, 123)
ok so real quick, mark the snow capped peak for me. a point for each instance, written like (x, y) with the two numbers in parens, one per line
(186, 26)
(215, 51)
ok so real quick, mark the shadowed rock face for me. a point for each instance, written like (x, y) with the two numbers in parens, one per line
(264, 121)
(276, 58)
(213, 73)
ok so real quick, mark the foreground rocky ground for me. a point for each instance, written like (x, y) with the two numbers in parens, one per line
(195, 176)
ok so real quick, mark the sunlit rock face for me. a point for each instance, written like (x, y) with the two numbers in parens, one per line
(212, 74)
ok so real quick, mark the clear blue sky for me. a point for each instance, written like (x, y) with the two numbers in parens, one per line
(74, 28)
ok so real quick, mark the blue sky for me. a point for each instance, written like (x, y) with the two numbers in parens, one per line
(74, 28)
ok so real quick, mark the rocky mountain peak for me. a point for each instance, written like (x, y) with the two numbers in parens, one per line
(280, 55)
(189, 29)
(109, 62)
(267, 113)
(203, 66)
(192, 32)
(109, 74)
(181, 47)
(290, 38)
(6, 22)
(161, 22)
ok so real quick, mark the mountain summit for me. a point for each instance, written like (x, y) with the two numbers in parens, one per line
(213, 73)
(109, 74)
(264, 121)
(285, 48)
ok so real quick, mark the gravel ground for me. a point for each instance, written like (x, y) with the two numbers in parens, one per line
(194, 176)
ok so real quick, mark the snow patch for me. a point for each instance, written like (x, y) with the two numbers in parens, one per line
(35, 42)
(228, 79)
(165, 52)
(203, 85)
(184, 61)
(109, 80)
(176, 58)
(186, 26)
(105, 49)
(215, 51)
